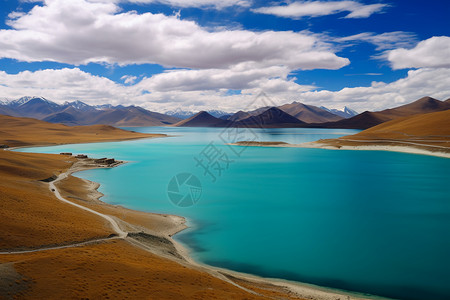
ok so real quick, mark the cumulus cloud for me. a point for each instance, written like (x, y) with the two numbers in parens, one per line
(300, 9)
(64, 84)
(431, 53)
(79, 31)
(239, 77)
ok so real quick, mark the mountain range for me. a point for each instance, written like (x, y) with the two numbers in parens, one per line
(288, 115)
(306, 113)
(295, 114)
(80, 113)
(184, 114)
(271, 117)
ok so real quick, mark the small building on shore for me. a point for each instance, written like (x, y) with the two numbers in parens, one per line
(110, 161)
(81, 156)
(105, 161)
(100, 160)
(66, 153)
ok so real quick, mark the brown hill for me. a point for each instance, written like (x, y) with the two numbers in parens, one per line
(434, 125)
(26, 131)
(368, 119)
(309, 113)
(273, 117)
(429, 132)
(364, 120)
(421, 106)
(202, 119)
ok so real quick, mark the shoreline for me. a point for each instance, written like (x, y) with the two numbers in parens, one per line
(331, 146)
(300, 289)
(144, 238)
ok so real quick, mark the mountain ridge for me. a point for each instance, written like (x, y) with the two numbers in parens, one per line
(79, 113)
(369, 119)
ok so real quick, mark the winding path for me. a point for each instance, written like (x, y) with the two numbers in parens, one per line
(114, 225)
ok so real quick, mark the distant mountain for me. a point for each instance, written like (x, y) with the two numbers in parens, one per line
(226, 117)
(364, 120)
(368, 119)
(35, 107)
(179, 113)
(80, 113)
(81, 106)
(240, 115)
(345, 113)
(202, 119)
(183, 114)
(63, 117)
(134, 116)
(303, 112)
(217, 113)
(5, 110)
(107, 106)
(23, 100)
(309, 113)
(272, 117)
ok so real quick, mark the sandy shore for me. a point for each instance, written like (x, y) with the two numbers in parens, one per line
(341, 144)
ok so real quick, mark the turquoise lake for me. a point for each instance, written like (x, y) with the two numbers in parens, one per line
(367, 221)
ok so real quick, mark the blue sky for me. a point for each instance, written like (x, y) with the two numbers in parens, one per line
(206, 54)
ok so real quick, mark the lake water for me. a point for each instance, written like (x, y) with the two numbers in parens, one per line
(368, 221)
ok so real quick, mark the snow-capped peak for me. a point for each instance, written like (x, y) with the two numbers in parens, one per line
(350, 111)
(78, 105)
(217, 113)
(26, 99)
(345, 112)
(179, 113)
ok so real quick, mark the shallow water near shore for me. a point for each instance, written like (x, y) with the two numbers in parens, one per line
(368, 221)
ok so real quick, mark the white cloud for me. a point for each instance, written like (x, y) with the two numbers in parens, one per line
(240, 77)
(383, 41)
(64, 84)
(128, 79)
(69, 84)
(380, 95)
(78, 32)
(431, 53)
(300, 9)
